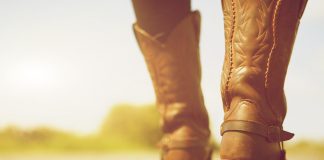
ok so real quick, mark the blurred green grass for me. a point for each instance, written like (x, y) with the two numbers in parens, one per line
(126, 128)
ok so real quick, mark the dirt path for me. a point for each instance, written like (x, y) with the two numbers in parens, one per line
(81, 157)
(151, 156)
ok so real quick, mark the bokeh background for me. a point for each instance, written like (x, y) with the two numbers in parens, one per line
(73, 81)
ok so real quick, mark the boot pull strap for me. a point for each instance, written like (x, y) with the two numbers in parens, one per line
(271, 133)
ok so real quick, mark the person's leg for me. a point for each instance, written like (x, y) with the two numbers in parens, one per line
(174, 67)
(260, 36)
(159, 17)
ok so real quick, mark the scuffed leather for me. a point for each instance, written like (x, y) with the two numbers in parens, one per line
(174, 67)
(259, 38)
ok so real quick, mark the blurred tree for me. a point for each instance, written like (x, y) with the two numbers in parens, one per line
(136, 125)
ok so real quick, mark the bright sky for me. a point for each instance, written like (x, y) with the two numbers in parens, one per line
(64, 63)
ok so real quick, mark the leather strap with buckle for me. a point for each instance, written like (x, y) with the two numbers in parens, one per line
(271, 133)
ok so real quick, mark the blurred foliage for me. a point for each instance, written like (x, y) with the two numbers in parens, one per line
(309, 147)
(133, 125)
(126, 128)
(43, 139)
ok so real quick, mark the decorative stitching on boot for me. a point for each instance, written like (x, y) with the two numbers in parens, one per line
(231, 54)
(274, 43)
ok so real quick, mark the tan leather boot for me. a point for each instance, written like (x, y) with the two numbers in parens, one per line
(259, 39)
(174, 67)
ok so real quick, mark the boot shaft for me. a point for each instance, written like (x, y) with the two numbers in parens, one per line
(259, 35)
(174, 67)
(259, 39)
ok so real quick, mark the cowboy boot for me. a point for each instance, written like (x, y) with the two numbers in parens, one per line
(174, 67)
(259, 40)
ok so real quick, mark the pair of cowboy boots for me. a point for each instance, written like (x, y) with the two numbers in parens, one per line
(259, 39)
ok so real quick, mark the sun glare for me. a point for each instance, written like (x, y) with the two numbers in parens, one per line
(32, 76)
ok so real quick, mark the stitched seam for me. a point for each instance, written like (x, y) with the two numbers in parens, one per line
(231, 52)
(274, 43)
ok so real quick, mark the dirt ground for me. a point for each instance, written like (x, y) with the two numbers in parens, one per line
(142, 156)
